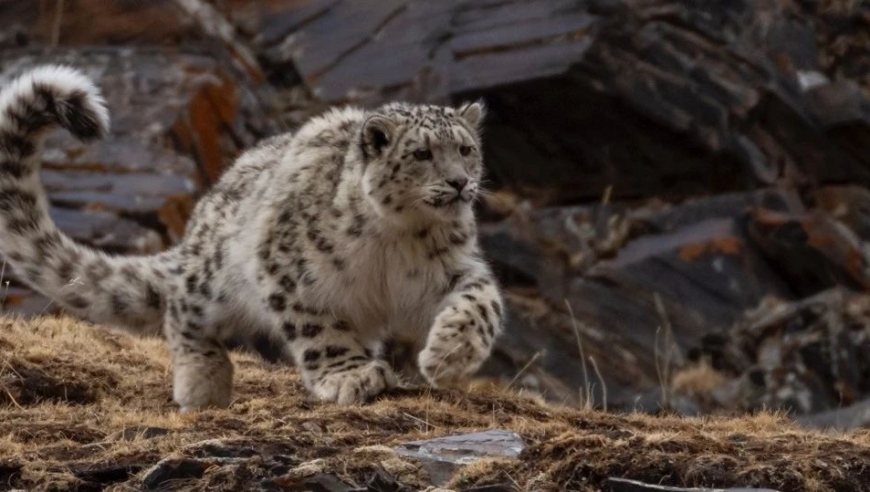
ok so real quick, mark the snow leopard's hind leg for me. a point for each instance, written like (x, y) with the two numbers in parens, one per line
(201, 367)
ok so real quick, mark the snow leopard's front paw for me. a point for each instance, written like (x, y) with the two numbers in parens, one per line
(355, 386)
(448, 364)
(454, 351)
(462, 335)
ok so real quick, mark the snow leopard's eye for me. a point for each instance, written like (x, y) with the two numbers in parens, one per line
(464, 150)
(423, 155)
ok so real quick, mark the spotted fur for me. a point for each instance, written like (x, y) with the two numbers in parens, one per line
(357, 229)
(125, 292)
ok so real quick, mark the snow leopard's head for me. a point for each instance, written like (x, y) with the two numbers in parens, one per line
(423, 162)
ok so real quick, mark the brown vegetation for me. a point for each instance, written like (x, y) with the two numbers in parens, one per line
(78, 403)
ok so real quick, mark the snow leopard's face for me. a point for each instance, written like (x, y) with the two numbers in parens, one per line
(423, 161)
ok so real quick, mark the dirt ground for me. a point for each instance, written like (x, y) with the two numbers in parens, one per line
(84, 408)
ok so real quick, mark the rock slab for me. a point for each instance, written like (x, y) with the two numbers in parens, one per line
(444, 455)
(625, 485)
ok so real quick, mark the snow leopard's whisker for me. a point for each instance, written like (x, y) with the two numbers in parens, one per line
(419, 201)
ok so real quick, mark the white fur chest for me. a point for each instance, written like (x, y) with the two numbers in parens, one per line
(385, 287)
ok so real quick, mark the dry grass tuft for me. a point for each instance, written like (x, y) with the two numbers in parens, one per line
(72, 396)
(698, 379)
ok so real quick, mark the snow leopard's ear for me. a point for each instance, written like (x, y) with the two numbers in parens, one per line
(473, 113)
(377, 135)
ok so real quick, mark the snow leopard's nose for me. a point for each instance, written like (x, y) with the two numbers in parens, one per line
(458, 183)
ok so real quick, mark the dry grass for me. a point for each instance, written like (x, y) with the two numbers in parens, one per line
(90, 397)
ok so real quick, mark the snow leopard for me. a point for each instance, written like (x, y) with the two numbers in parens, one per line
(357, 228)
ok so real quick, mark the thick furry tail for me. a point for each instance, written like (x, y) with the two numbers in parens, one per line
(122, 291)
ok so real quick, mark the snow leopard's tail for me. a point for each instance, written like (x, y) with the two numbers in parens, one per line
(123, 291)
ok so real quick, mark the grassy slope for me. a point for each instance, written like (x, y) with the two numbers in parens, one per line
(87, 386)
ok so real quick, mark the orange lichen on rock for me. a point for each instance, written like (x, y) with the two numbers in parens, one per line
(727, 245)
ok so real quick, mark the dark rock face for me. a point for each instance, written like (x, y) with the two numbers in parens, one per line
(667, 99)
(662, 173)
(693, 266)
(805, 356)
